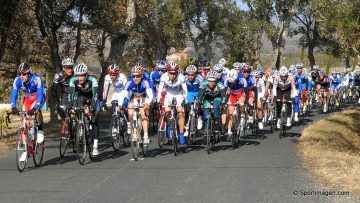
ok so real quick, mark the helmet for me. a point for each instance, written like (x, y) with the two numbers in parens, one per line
(160, 65)
(139, 63)
(218, 68)
(247, 68)
(260, 69)
(255, 73)
(191, 69)
(232, 76)
(316, 67)
(348, 69)
(172, 67)
(80, 69)
(299, 66)
(276, 73)
(212, 76)
(222, 62)
(283, 71)
(192, 61)
(137, 70)
(24, 68)
(237, 65)
(292, 71)
(203, 63)
(67, 62)
(113, 69)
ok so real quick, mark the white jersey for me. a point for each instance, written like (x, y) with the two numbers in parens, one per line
(114, 88)
(177, 86)
(260, 86)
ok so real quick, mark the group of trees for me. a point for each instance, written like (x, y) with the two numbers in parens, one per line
(121, 31)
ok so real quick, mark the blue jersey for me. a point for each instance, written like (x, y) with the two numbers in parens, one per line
(222, 79)
(238, 87)
(250, 81)
(33, 88)
(301, 80)
(335, 82)
(155, 78)
(193, 88)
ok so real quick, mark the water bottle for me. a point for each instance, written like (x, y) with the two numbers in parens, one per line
(32, 132)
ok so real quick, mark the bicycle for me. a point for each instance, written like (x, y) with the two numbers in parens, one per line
(26, 144)
(119, 128)
(67, 134)
(83, 131)
(173, 127)
(283, 118)
(211, 134)
(192, 124)
(137, 133)
(238, 130)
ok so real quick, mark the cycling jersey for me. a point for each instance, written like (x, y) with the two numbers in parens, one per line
(207, 94)
(155, 78)
(115, 87)
(193, 88)
(142, 89)
(33, 89)
(87, 90)
(325, 83)
(236, 88)
(222, 79)
(62, 80)
(348, 79)
(335, 82)
(177, 86)
(301, 81)
(356, 81)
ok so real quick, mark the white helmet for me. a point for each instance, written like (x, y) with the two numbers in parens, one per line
(67, 62)
(218, 68)
(232, 76)
(283, 71)
(222, 62)
(237, 65)
(191, 69)
(254, 73)
(316, 67)
(80, 69)
(212, 76)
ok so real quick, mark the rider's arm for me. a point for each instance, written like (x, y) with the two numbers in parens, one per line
(71, 90)
(161, 87)
(94, 89)
(54, 87)
(107, 82)
(14, 92)
(39, 91)
(149, 90)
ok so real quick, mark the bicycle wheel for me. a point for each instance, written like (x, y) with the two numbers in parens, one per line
(81, 143)
(73, 137)
(161, 133)
(234, 139)
(144, 147)
(21, 147)
(115, 134)
(38, 148)
(208, 136)
(281, 125)
(135, 145)
(173, 133)
(254, 125)
(64, 138)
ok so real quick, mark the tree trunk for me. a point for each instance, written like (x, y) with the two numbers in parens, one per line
(347, 61)
(78, 36)
(7, 14)
(311, 55)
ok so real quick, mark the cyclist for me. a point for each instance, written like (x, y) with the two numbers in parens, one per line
(221, 77)
(260, 88)
(356, 80)
(235, 87)
(323, 83)
(114, 83)
(212, 91)
(222, 62)
(83, 89)
(139, 86)
(284, 87)
(250, 90)
(175, 86)
(301, 82)
(34, 97)
(62, 80)
(193, 82)
(238, 67)
(156, 74)
(203, 68)
(348, 80)
(335, 85)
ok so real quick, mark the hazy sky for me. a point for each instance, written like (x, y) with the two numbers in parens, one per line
(241, 4)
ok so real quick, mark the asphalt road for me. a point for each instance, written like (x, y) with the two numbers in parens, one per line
(265, 169)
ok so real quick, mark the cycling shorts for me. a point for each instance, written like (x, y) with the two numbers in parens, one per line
(179, 98)
(234, 98)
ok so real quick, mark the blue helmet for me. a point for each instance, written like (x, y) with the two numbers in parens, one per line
(161, 65)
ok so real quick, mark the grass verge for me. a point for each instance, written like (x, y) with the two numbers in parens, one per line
(330, 149)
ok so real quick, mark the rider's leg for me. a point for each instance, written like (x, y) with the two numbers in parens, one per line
(260, 113)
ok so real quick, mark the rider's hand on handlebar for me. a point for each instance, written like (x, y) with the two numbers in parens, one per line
(31, 112)
(15, 111)
(145, 105)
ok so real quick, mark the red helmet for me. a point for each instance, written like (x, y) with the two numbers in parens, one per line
(137, 70)
(24, 68)
(113, 69)
(172, 67)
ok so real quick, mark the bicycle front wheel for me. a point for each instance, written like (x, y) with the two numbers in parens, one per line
(81, 143)
(21, 150)
(115, 134)
(173, 132)
(135, 145)
(64, 139)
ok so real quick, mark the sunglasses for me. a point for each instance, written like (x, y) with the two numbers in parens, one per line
(161, 70)
(81, 75)
(191, 74)
(246, 71)
(68, 67)
(112, 75)
(136, 76)
(172, 73)
(23, 74)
